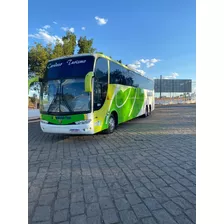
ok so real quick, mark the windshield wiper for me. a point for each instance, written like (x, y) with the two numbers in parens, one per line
(59, 99)
(65, 101)
(54, 101)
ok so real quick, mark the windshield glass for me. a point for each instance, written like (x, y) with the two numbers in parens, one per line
(64, 96)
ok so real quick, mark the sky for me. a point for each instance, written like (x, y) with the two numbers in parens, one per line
(156, 37)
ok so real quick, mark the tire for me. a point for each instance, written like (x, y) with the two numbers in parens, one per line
(146, 114)
(150, 110)
(111, 124)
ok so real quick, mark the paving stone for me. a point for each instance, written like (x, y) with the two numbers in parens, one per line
(169, 191)
(178, 187)
(79, 219)
(149, 220)
(191, 213)
(93, 209)
(61, 215)
(103, 192)
(110, 216)
(128, 217)
(189, 197)
(183, 219)
(172, 208)
(122, 204)
(141, 211)
(94, 220)
(143, 192)
(77, 208)
(63, 194)
(90, 197)
(106, 202)
(61, 203)
(183, 203)
(77, 196)
(42, 213)
(46, 199)
(133, 198)
(162, 217)
(152, 204)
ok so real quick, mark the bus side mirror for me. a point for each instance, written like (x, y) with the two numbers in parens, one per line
(88, 82)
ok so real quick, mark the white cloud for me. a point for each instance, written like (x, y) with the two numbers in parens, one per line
(55, 22)
(149, 62)
(67, 28)
(72, 30)
(138, 63)
(134, 66)
(64, 28)
(141, 71)
(144, 60)
(101, 21)
(46, 27)
(149, 65)
(172, 76)
(83, 28)
(45, 36)
(154, 60)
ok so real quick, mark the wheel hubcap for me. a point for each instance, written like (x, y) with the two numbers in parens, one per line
(112, 123)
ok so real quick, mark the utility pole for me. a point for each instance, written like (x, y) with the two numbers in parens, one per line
(160, 86)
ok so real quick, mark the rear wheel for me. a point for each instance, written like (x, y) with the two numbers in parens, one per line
(111, 124)
(146, 114)
(150, 110)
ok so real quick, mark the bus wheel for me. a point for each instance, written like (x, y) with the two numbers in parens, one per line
(150, 110)
(111, 124)
(146, 114)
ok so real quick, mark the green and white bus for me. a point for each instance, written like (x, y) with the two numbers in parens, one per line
(89, 93)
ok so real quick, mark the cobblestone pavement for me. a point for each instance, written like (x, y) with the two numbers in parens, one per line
(144, 173)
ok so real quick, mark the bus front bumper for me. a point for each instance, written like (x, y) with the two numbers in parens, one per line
(83, 129)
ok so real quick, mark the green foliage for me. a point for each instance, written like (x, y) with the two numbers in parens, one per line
(49, 51)
(85, 46)
(69, 43)
(37, 59)
(58, 50)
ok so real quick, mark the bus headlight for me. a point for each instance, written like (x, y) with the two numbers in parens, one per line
(83, 122)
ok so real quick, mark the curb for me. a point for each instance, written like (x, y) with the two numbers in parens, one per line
(33, 119)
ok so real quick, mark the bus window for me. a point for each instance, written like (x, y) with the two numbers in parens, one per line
(100, 83)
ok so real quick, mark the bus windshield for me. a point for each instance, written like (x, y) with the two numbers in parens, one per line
(64, 96)
(63, 89)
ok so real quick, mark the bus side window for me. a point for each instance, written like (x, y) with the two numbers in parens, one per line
(100, 83)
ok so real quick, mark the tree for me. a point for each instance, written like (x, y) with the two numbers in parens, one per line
(69, 43)
(58, 50)
(37, 59)
(49, 51)
(85, 46)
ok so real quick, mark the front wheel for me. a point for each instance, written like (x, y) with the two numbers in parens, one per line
(111, 125)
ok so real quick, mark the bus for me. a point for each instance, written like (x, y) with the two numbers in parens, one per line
(90, 93)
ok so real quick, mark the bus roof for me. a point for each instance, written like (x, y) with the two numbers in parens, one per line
(100, 55)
